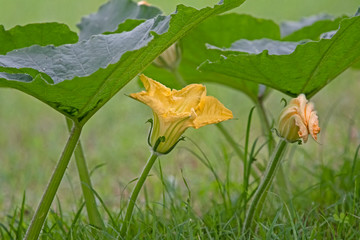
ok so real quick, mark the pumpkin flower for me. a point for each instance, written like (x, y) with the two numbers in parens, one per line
(298, 119)
(174, 111)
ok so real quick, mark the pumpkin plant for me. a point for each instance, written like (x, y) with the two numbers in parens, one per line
(78, 78)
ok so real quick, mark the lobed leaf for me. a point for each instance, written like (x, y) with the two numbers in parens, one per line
(41, 34)
(224, 30)
(113, 13)
(306, 70)
(77, 79)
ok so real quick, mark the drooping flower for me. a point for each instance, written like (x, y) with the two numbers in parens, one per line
(298, 119)
(176, 110)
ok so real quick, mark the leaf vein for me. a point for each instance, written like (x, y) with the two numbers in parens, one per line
(78, 60)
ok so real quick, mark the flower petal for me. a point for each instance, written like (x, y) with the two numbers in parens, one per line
(209, 111)
(171, 125)
(303, 131)
(313, 125)
(187, 98)
(156, 96)
(289, 129)
(309, 108)
(302, 107)
(287, 113)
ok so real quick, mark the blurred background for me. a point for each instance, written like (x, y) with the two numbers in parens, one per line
(20, 12)
(32, 135)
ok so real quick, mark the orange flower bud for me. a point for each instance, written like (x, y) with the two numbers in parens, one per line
(298, 119)
(170, 58)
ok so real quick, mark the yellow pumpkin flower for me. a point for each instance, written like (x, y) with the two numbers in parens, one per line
(298, 119)
(176, 110)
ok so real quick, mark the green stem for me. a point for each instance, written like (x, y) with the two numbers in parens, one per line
(53, 185)
(136, 191)
(265, 184)
(86, 186)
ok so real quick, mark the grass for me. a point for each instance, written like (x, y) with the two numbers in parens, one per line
(194, 192)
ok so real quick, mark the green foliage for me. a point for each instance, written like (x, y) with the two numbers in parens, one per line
(292, 68)
(40, 34)
(78, 79)
(309, 28)
(113, 13)
(222, 31)
(128, 25)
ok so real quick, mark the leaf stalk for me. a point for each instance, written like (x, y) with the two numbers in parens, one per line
(39, 217)
(86, 186)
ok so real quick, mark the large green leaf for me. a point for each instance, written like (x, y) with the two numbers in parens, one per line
(42, 34)
(306, 70)
(77, 79)
(221, 31)
(113, 13)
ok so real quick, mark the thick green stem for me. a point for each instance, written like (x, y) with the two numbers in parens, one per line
(265, 184)
(136, 191)
(86, 186)
(53, 185)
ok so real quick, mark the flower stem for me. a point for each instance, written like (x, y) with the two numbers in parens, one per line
(86, 186)
(53, 185)
(264, 186)
(136, 191)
